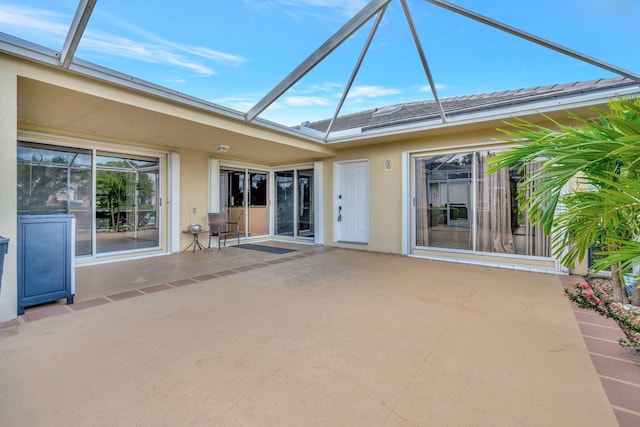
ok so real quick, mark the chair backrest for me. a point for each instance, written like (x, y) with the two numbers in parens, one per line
(217, 222)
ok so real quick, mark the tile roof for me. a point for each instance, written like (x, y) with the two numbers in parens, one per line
(427, 110)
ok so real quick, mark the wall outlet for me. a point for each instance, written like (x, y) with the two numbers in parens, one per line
(195, 210)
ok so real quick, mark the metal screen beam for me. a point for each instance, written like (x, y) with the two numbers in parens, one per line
(423, 58)
(347, 88)
(78, 25)
(534, 39)
(316, 57)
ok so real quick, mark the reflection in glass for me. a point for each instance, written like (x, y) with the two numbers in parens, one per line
(305, 203)
(284, 202)
(258, 211)
(57, 180)
(126, 202)
(443, 202)
(232, 196)
(448, 216)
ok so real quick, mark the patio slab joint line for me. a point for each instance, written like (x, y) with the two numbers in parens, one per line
(628, 411)
(140, 292)
(619, 359)
(619, 380)
(600, 338)
(601, 326)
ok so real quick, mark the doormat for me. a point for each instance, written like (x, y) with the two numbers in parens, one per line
(270, 249)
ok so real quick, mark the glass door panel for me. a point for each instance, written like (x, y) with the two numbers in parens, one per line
(285, 194)
(54, 180)
(126, 203)
(443, 201)
(232, 194)
(257, 210)
(305, 203)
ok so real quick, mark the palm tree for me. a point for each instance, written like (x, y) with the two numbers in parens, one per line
(600, 159)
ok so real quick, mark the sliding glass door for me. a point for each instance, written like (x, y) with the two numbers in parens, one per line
(305, 211)
(458, 206)
(294, 207)
(444, 201)
(122, 214)
(126, 202)
(285, 202)
(244, 200)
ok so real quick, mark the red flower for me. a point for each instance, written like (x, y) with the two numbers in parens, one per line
(590, 295)
(598, 301)
(585, 286)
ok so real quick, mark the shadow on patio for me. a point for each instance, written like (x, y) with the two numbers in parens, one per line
(318, 336)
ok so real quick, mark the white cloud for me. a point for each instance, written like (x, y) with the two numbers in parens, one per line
(321, 87)
(46, 26)
(439, 86)
(372, 91)
(152, 53)
(305, 101)
(349, 7)
(37, 23)
(164, 44)
(239, 103)
(346, 8)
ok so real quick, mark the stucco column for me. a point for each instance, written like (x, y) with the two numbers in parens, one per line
(8, 192)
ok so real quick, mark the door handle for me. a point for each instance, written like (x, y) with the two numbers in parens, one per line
(339, 213)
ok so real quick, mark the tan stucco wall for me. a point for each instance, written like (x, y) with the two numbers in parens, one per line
(194, 174)
(8, 194)
(385, 192)
(385, 186)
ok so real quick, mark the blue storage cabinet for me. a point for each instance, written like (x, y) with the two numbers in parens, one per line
(46, 259)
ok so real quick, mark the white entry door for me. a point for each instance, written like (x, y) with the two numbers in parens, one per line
(352, 201)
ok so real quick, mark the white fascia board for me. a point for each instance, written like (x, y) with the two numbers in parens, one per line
(24, 49)
(21, 48)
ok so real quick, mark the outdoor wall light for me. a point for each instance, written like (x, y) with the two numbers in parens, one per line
(222, 148)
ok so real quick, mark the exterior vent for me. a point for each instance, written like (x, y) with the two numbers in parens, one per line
(385, 111)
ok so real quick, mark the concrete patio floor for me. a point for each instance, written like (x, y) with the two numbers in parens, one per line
(316, 337)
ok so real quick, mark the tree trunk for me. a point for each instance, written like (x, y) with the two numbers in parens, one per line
(635, 297)
(619, 289)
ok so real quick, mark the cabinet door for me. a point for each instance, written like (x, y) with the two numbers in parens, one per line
(44, 259)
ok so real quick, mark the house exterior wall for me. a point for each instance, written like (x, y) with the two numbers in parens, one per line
(8, 195)
(387, 210)
(385, 186)
(193, 175)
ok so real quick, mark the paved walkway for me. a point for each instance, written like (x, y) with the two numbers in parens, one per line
(317, 337)
(617, 367)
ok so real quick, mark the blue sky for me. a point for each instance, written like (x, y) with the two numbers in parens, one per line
(233, 52)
